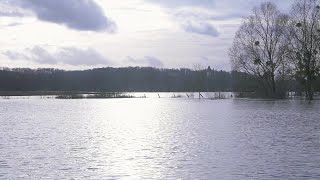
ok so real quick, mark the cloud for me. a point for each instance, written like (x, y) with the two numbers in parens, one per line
(223, 8)
(202, 16)
(10, 25)
(8, 9)
(197, 21)
(84, 15)
(209, 4)
(183, 3)
(146, 61)
(229, 16)
(67, 55)
(11, 14)
(201, 28)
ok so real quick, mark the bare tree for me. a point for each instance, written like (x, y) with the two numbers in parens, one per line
(304, 42)
(259, 47)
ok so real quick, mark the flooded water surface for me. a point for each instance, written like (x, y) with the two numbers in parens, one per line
(159, 139)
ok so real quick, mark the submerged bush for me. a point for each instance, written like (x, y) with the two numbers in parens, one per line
(70, 96)
(177, 96)
(109, 95)
(94, 96)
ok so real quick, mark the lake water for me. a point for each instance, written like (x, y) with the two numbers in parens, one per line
(159, 139)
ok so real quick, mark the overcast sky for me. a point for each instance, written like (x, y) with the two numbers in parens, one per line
(80, 34)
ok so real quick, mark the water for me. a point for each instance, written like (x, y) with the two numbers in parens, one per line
(159, 139)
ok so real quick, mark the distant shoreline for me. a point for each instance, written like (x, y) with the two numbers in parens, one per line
(41, 93)
(56, 93)
(146, 94)
(115, 95)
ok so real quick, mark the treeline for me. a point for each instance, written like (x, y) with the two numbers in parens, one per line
(129, 79)
(277, 48)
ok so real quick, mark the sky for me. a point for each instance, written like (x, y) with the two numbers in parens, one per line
(85, 34)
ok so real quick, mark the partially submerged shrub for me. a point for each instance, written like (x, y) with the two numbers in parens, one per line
(109, 95)
(176, 96)
(70, 96)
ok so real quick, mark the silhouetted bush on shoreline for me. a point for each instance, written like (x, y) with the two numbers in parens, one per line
(109, 95)
(95, 96)
(70, 96)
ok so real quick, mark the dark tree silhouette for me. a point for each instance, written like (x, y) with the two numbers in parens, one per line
(304, 42)
(259, 47)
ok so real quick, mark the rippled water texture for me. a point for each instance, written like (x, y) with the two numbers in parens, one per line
(159, 139)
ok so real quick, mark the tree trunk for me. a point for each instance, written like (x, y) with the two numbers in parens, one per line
(309, 91)
(273, 84)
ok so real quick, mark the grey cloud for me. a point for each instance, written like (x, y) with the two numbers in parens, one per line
(202, 28)
(190, 14)
(146, 61)
(207, 16)
(68, 56)
(208, 4)
(76, 56)
(11, 14)
(13, 24)
(10, 25)
(8, 9)
(197, 22)
(226, 8)
(13, 55)
(83, 15)
(229, 16)
(200, 20)
(182, 3)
